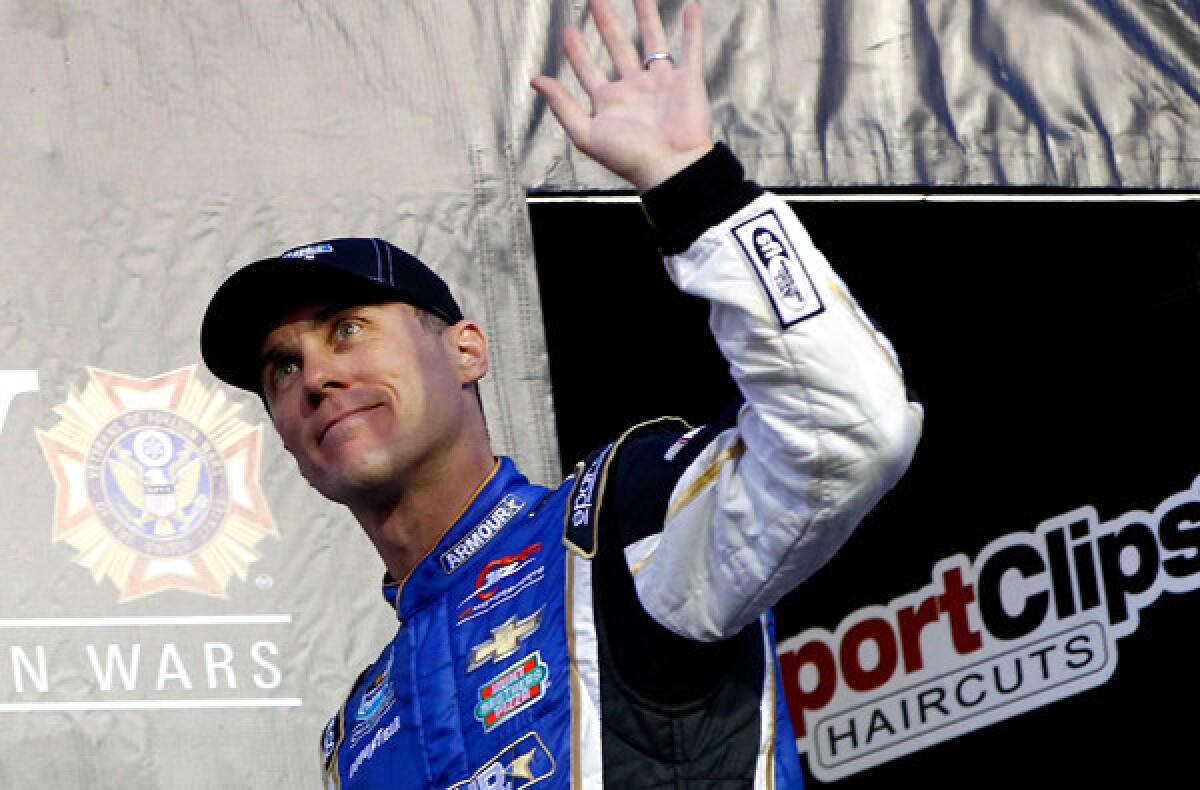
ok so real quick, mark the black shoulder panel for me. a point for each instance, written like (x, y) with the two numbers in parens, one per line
(636, 475)
(581, 516)
(642, 476)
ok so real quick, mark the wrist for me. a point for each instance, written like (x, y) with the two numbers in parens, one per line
(663, 169)
(702, 195)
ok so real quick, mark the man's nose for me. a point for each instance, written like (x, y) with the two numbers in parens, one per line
(321, 377)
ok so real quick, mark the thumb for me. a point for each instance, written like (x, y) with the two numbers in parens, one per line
(574, 118)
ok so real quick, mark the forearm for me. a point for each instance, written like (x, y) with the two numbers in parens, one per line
(826, 428)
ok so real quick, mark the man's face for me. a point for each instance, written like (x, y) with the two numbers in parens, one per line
(366, 398)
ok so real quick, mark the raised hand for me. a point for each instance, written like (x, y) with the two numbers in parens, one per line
(654, 119)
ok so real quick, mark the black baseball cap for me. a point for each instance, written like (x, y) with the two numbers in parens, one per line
(249, 304)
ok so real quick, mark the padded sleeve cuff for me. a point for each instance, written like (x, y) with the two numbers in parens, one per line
(702, 195)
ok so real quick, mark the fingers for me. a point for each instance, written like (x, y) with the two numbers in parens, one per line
(622, 52)
(590, 75)
(572, 115)
(620, 48)
(693, 38)
(654, 38)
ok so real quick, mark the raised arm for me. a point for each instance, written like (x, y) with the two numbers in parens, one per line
(757, 504)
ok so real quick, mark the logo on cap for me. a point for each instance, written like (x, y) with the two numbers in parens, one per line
(309, 252)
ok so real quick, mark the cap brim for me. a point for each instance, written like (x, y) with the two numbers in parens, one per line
(251, 302)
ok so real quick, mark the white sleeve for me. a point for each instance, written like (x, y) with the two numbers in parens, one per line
(825, 431)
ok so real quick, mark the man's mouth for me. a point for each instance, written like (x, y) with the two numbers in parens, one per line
(340, 418)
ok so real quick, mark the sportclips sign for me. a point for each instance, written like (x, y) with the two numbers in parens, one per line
(1033, 619)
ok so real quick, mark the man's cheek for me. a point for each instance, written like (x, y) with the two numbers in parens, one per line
(295, 445)
(285, 427)
(308, 470)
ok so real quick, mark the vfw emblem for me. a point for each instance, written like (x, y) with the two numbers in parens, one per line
(157, 483)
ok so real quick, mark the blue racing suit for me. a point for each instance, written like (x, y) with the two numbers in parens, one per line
(615, 630)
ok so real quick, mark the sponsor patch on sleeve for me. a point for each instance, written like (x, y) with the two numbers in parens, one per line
(579, 521)
(774, 259)
(681, 443)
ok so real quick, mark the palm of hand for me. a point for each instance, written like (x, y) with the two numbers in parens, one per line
(644, 127)
(650, 122)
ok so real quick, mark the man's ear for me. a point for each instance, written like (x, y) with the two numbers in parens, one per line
(470, 348)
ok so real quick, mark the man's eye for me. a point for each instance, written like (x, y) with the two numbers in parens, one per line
(285, 369)
(346, 329)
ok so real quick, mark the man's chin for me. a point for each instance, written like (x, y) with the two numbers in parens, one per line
(358, 485)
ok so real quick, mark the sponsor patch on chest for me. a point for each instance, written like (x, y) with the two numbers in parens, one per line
(381, 737)
(376, 700)
(482, 533)
(524, 763)
(773, 257)
(517, 688)
(505, 640)
(501, 580)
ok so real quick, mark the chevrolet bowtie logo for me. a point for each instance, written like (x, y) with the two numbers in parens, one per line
(506, 638)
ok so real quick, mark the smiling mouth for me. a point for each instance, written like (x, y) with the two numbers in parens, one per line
(340, 418)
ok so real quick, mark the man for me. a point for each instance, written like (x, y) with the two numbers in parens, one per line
(613, 631)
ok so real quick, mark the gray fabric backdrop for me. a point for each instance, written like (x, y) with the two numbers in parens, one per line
(178, 609)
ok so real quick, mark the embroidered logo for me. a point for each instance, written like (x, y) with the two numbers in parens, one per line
(495, 583)
(517, 688)
(381, 737)
(157, 484)
(505, 640)
(584, 493)
(766, 245)
(524, 763)
(309, 252)
(482, 533)
(376, 701)
(681, 443)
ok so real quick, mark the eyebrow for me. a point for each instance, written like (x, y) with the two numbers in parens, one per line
(270, 355)
(273, 353)
(265, 360)
(270, 352)
(330, 310)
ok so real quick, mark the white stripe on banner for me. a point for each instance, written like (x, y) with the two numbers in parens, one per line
(109, 622)
(155, 704)
(919, 197)
(115, 622)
